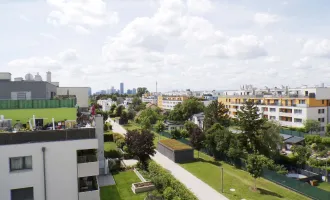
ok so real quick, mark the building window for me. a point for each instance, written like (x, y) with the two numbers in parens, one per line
(322, 101)
(321, 119)
(302, 101)
(321, 111)
(272, 117)
(297, 120)
(22, 194)
(322, 128)
(20, 163)
(272, 109)
(297, 111)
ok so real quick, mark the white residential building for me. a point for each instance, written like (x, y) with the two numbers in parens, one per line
(150, 99)
(290, 106)
(106, 104)
(198, 119)
(52, 165)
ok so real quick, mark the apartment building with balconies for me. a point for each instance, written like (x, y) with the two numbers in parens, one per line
(289, 106)
(52, 165)
(168, 102)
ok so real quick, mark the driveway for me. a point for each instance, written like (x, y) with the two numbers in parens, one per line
(116, 128)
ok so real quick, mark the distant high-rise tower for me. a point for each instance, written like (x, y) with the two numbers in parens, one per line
(134, 91)
(156, 87)
(121, 88)
(49, 77)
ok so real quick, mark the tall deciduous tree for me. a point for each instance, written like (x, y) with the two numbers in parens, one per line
(119, 110)
(140, 144)
(176, 134)
(270, 139)
(189, 126)
(312, 125)
(112, 109)
(197, 138)
(141, 91)
(159, 127)
(250, 124)
(186, 109)
(327, 129)
(218, 139)
(216, 112)
(255, 165)
(302, 153)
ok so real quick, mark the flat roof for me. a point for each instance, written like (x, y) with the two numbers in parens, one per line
(285, 136)
(47, 136)
(175, 145)
(294, 140)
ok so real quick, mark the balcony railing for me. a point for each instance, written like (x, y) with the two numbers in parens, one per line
(88, 184)
(87, 158)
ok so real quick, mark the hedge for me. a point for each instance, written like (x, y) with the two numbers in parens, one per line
(108, 137)
(162, 179)
(117, 136)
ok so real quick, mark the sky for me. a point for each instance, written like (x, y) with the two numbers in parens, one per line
(181, 44)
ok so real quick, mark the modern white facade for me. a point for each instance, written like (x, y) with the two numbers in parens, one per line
(150, 99)
(106, 104)
(291, 107)
(81, 94)
(198, 119)
(62, 165)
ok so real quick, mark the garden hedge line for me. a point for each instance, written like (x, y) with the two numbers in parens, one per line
(162, 179)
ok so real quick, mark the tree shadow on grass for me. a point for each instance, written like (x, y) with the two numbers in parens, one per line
(202, 160)
(267, 192)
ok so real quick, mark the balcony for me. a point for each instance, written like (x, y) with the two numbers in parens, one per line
(88, 166)
(88, 188)
(286, 114)
(286, 123)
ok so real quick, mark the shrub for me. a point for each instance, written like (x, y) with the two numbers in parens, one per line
(105, 127)
(302, 129)
(169, 193)
(163, 179)
(112, 154)
(120, 143)
(310, 139)
(117, 136)
(108, 137)
(114, 164)
(326, 141)
(110, 126)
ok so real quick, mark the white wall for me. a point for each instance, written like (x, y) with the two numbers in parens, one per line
(80, 92)
(88, 169)
(61, 169)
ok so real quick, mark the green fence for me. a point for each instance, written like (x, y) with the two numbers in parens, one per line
(294, 133)
(32, 104)
(298, 186)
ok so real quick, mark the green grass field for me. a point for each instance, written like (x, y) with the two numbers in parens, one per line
(108, 146)
(324, 186)
(209, 172)
(122, 189)
(25, 114)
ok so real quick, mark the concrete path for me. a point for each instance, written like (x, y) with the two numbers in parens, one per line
(195, 185)
(106, 180)
(116, 128)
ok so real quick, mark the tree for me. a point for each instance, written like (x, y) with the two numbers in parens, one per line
(145, 123)
(183, 111)
(148, 113)
(189, 126)
(119, 110)
(302, 153)
(216, 113)
(197, 138)
(184, 133)
(218, 139)
(159, 127)
(137, 104)
(250, 124)
(312, 125)
(140, 144)
(141, 91)
(255, 165)
(175, 134)
(270, 139)
(123, 118)
(327, 127)
(112, 109)
(235, 147)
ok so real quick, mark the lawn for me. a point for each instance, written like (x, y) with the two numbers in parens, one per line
(209, 171)
(131, 126)
(122, 189)
(108, 146)
(324, 186)
(24, 115)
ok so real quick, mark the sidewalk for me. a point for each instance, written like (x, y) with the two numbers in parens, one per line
(195, 185)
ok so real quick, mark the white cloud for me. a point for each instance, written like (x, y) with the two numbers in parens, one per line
(264, 19)
(46, 63)
(199, 6)
(317, 48)
(83, 13)
(303, 63)
(272, 59)
(68, 55)
(81, 30)
(24, 18)
(242, 47)
(48, 36)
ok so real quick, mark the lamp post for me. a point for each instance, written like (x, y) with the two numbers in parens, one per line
(222, 179)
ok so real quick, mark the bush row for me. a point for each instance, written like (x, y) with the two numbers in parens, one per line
(310, 139)
(165, 183)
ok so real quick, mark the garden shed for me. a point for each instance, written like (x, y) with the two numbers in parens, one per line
(176, 151)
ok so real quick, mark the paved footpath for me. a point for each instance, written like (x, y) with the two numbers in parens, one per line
(195, 185)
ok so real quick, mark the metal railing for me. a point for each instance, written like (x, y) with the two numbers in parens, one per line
(87, 159)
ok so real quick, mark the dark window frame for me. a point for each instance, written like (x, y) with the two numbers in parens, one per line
(20, 190)
(24, 164)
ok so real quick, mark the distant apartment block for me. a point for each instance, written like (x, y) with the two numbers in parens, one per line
(150, 99)
(289, 106)
(168, 102)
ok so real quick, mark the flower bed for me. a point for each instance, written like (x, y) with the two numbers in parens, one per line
(142, 187)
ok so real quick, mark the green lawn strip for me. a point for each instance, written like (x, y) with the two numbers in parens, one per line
(324, 186)
(122, 189)
(24, 115)
(208, 171)
(110, 146)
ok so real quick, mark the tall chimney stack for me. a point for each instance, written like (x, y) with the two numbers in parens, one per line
(49, 77)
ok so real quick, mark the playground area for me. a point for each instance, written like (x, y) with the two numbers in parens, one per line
(23, 115)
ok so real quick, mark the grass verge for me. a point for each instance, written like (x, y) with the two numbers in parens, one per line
(122, 189)
(324, 186)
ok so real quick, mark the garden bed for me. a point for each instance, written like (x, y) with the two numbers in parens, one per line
(142, 187)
